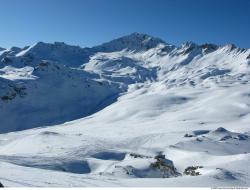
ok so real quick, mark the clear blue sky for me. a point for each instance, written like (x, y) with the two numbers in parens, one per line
(91, 22)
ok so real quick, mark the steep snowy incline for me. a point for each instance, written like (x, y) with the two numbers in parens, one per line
(222, 66)
(49, 94)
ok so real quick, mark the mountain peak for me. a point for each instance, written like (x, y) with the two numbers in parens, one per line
(230, 47)
(134, 42)
(189, 44)
(58, 52)
(141, 36)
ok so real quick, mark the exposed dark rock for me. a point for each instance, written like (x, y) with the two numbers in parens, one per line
(134, 155)
(46, 65)
(160, 168)
(241, 137)
(188, 135)
(13, 91)
(220, 130)
(50, 133)
(226, 138)
(129, 170)
(165, 166)
(198, 139)
(191, 170)
(9, 96)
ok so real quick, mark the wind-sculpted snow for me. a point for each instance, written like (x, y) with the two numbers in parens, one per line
(135, 111)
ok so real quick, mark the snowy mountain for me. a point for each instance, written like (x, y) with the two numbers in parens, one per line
(133, 42)
(58, 52)
(135, 111)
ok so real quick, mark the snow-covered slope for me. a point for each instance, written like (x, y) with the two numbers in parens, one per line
(147, 114)
(49, 94)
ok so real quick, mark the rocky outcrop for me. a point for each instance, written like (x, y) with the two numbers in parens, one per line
(14, 91)
(157, 167)
(192, 170)
(164, 166)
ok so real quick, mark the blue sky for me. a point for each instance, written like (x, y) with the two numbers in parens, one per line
(91, 22)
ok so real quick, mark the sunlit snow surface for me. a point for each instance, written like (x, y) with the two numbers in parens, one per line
(191, 104)
(13, 73)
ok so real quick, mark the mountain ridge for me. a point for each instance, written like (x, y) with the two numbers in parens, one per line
(133, 35)
(135, 111)
(123, 62)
